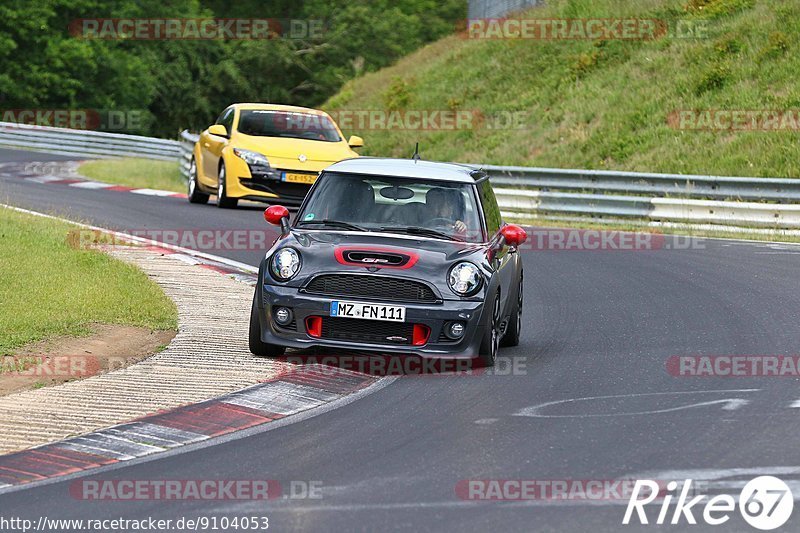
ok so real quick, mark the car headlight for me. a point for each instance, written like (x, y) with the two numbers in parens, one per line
(285, 264)
(252, 158)
(464, 279)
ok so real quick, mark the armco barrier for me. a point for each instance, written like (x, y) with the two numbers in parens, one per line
(83, 143)
(523, 192)
(187, 141)
(529, 192)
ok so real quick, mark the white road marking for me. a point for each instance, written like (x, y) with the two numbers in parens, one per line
(729, 404)
(718, 478)
(91, 185)
(795, 404)
(45, 179)
(153, 192)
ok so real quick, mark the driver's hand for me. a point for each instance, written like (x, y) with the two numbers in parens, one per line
(460, 227)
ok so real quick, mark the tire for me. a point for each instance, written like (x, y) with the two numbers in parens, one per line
(490, 344)
(511, 337)
(196, 196)
(222, 191)
(257, 346)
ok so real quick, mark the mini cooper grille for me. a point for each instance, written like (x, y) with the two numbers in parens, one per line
(381, 287)
(372, 331)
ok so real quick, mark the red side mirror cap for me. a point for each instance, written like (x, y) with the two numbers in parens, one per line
(513, 235)
(275, 213)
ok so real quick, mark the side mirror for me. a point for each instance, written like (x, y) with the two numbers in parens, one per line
(355, 141)
(277, 215)
(513, 235)
(218, 129)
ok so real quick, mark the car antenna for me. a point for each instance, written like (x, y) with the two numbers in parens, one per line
(416, 156)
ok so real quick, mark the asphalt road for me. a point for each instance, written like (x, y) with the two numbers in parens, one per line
(597, 324)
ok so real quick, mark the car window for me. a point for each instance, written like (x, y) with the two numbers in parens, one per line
(263, 123)
(491, 211)
(380, 202)
(226, 119)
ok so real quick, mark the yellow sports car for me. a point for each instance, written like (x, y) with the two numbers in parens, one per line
(265, 152)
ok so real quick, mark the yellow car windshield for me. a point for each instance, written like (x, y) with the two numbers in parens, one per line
(264, 123)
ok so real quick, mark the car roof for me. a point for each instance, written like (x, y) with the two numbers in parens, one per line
(278, 107)
(408, 168)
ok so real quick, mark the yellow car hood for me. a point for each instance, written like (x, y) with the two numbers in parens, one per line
(282, 151)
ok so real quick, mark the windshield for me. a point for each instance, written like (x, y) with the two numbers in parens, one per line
(287, 124)
(378, 203)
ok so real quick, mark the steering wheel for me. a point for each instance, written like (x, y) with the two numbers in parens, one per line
(439, 221)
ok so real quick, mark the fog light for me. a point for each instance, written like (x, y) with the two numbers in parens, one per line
(455, 330)
(282, 316)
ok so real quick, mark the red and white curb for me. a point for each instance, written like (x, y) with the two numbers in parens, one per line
(299, 389)
(296, 391)
(66, 174)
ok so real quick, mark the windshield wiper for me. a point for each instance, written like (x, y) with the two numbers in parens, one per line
(335, 223)
(416, 230)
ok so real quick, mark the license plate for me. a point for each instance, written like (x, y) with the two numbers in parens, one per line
(294, 177)
(392, 313)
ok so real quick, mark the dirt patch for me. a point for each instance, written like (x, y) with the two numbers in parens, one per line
(56, 361)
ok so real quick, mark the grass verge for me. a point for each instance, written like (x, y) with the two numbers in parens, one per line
(50, 289)
(602, 104)
(136, 172)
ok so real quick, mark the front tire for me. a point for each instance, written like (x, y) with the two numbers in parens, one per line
(490, 344)
(511, 337)
(196, 196)
(222, 191)
(257, 346)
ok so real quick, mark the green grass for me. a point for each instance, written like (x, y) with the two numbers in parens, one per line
(136, 172)
(603, 104)
(50, 289)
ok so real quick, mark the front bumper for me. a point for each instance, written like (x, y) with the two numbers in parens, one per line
(266, 184)
(432, 315)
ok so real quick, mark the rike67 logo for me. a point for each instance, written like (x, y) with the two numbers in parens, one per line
(765, 503)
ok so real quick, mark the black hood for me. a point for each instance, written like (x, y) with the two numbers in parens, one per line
(380, 254)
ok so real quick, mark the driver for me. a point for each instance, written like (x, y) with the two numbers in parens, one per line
(446, 204)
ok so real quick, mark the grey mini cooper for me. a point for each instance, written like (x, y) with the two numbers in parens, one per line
(392, 256)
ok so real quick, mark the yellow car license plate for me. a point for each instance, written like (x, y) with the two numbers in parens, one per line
(295, 177)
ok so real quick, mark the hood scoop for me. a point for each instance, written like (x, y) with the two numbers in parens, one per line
(373, 257)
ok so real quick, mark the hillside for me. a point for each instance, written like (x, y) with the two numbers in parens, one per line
(607, 104)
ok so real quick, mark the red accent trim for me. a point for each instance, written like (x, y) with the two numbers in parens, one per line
(314, 326)
(275, 213)
(421, 334)
(339, 254)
